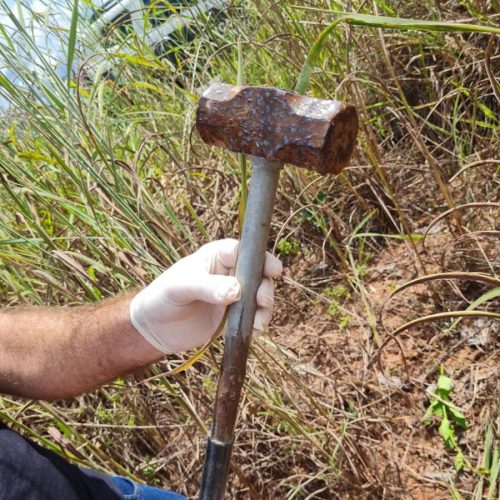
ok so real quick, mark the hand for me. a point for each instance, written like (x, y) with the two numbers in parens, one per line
(183, 307)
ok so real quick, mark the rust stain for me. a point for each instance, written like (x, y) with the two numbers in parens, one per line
(276, 124)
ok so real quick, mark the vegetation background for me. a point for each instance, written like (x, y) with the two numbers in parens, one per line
(391, 267)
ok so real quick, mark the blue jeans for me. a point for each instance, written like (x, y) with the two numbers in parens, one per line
(134, 491)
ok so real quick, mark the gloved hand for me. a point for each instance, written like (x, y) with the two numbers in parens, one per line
(183, 307)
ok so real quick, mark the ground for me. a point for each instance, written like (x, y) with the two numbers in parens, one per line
(398, 456)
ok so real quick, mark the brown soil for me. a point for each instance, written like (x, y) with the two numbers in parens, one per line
(398, 456)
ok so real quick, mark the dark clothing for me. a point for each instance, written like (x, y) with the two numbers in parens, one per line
(30, 472)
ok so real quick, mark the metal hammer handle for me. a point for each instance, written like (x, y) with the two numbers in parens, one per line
(249, 269)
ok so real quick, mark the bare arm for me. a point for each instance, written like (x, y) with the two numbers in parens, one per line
(59, 352)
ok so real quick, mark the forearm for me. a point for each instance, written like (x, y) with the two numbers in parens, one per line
(55, 353)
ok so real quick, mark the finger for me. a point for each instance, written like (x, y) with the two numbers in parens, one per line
(262, 319)
(221, 255)
(211, 288)
(228, 252)
(272, 266)
(265, 293)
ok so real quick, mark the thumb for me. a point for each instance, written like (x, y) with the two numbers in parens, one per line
(211, 288)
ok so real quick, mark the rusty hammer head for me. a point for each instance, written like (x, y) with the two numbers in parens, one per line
(279, 125)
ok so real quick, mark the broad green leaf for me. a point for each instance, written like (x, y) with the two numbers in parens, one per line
(458, 416)
(438, 409)
(427, 415)
(91, 273)
(149, 86)
(444, 384)
(399, 23)
(446, 431)
(4, 82)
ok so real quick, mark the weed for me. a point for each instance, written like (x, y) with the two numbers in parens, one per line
(338, 296)
(448, 415)
(337, 292)
(344, 322)
(149, 472)
(288, 247)
(489, 470)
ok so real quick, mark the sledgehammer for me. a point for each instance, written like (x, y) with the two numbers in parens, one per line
(275, 127)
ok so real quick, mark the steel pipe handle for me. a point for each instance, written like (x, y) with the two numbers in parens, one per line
(249, 269)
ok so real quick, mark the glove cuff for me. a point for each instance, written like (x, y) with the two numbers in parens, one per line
(140, 323)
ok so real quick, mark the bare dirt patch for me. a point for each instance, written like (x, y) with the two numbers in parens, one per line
(397, 455)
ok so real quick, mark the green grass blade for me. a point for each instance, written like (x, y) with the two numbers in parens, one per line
(372, 21)
(494, 473)
(72, 41)
(485, 297)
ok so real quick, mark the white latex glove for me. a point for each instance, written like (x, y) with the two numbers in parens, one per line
(183, 307)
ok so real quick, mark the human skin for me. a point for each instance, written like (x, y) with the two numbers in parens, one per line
(59, 352)
(54, 353)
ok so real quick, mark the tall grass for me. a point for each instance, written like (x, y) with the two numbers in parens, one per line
(104, 183)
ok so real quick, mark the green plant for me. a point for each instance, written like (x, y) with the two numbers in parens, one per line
(448, 415)
(338, 296)
(344, 321)
(289, 246)
(149, 471)
(490, 467)
(337, 292)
